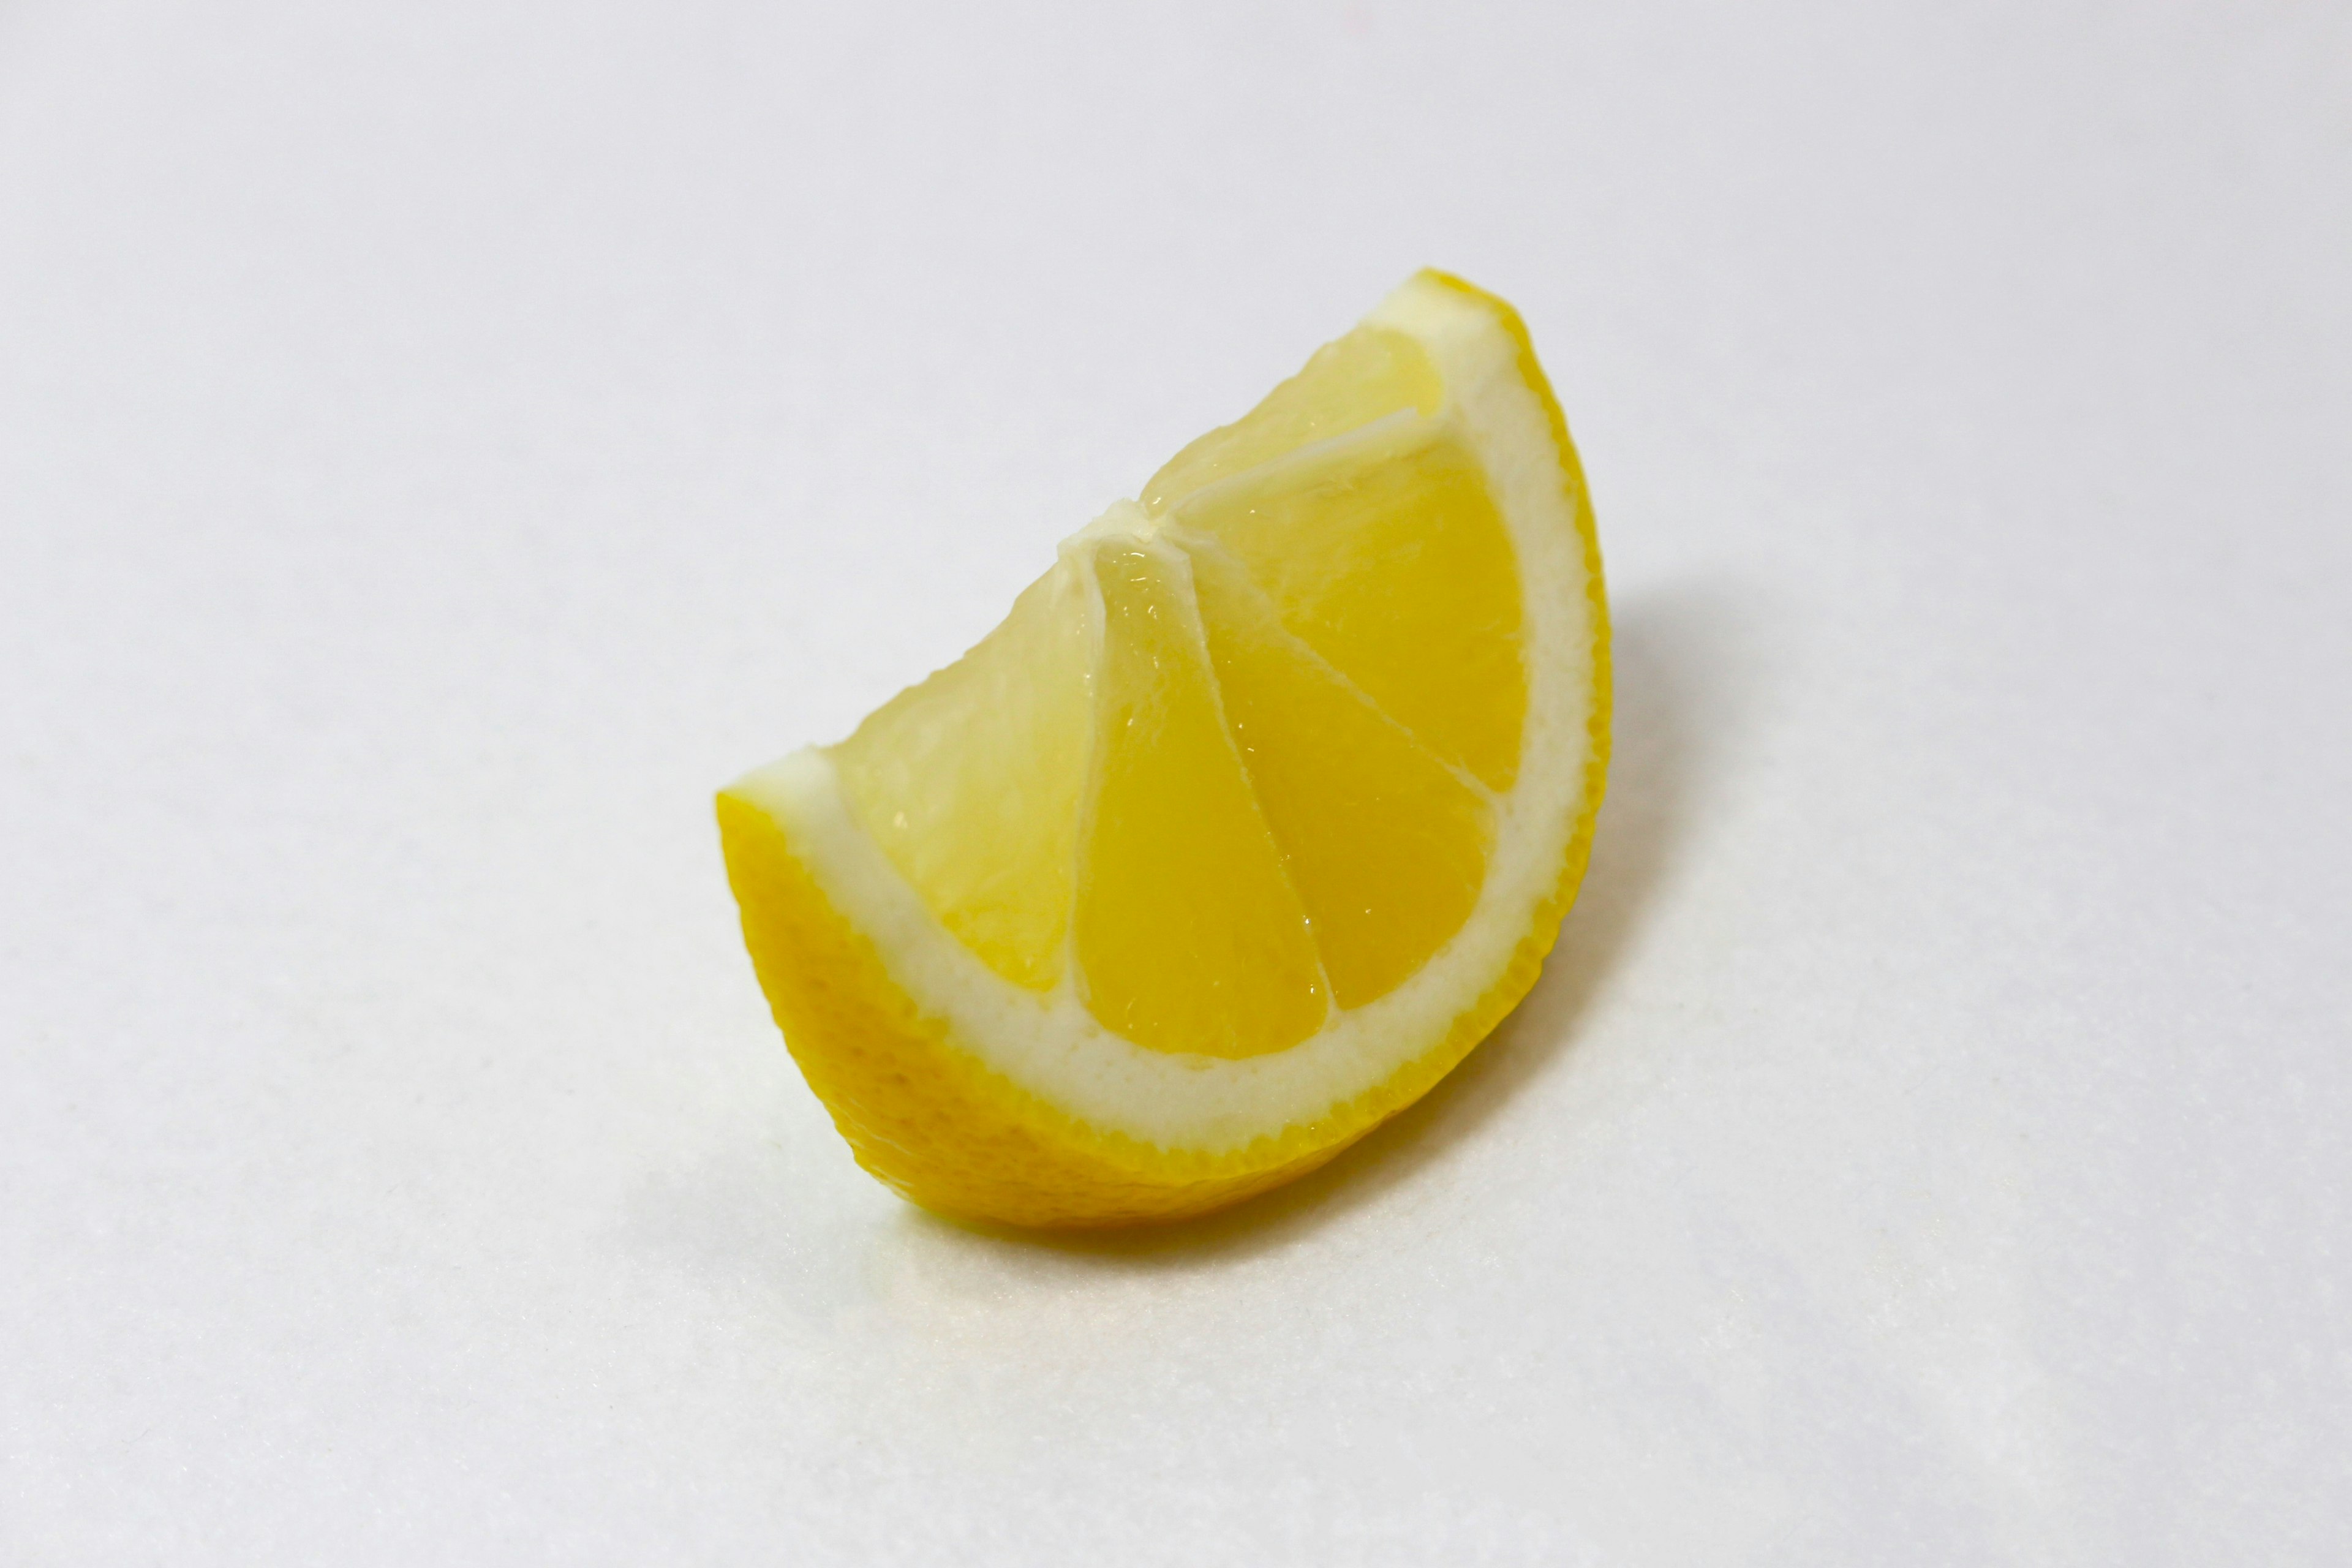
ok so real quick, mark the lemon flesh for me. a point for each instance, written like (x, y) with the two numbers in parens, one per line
(1250, 819)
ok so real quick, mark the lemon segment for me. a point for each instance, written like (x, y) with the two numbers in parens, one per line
(1189, 934)
(1352, 382)
(1255, 815)
(970, 782)
(1386, 843)
(1386, 555)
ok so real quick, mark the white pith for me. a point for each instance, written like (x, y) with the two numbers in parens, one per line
(1050, 1044)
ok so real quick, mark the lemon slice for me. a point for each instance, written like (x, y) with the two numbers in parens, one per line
(1254, 816)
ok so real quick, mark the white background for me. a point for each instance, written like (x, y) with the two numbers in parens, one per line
(441, 443)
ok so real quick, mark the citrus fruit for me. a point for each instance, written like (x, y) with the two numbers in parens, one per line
(1255, 814)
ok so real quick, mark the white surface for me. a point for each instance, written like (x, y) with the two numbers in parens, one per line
(440, 443)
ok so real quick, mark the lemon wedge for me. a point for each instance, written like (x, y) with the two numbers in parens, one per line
(1254, 816)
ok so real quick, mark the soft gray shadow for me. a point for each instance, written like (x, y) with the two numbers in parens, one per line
(1682, 669)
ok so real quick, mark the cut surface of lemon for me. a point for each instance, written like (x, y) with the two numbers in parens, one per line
(1258, 811)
